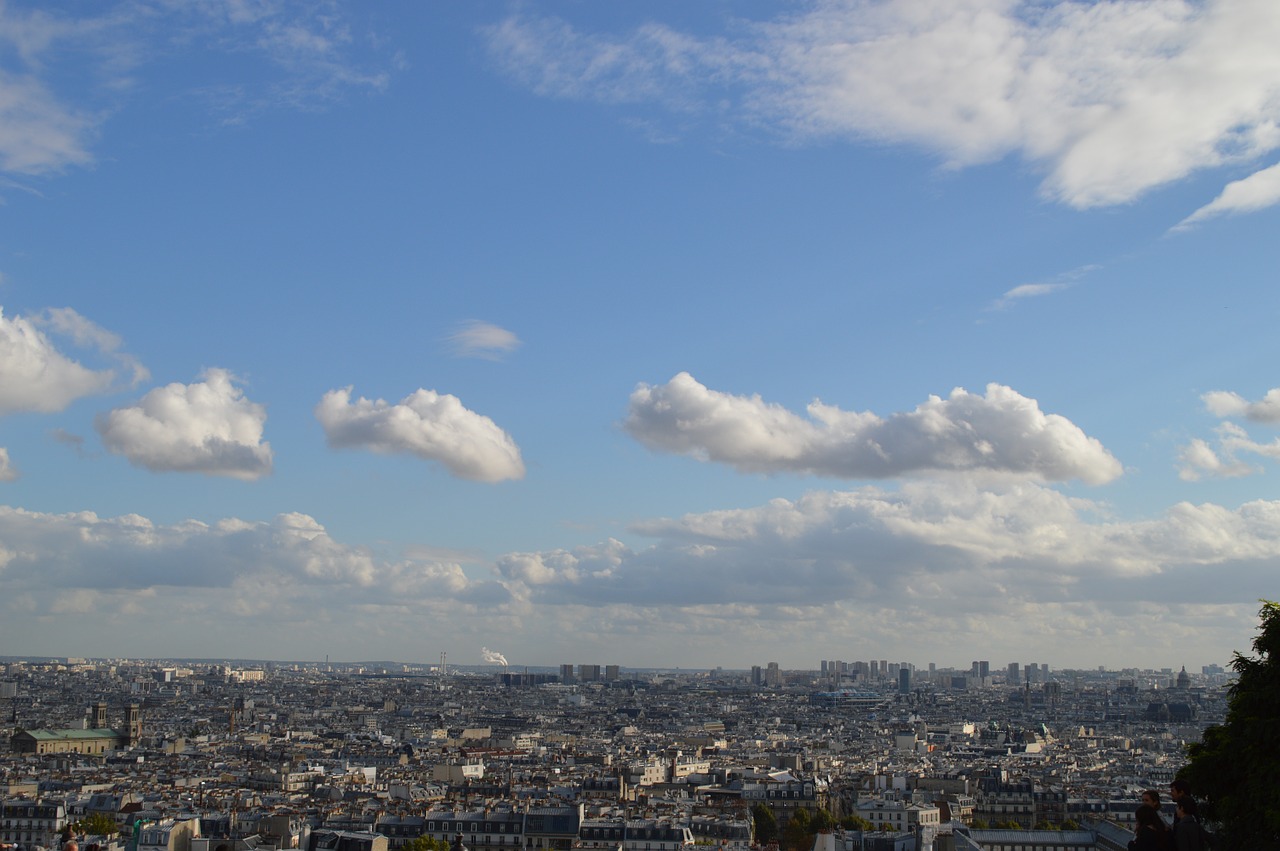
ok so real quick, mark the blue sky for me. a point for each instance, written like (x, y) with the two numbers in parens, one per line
(650, 334)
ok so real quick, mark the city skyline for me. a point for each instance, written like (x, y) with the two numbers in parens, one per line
(710, 334)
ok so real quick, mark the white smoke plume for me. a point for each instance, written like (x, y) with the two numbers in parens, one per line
(493, 656)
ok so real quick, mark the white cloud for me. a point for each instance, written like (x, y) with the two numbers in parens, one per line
(37, 133)
(476, 339)
(7, 471)
(1198, 460)
(430, 425)
(204, 427)
(234, 585)
(965, 566)
(1000, 432)
(69, 73)
(35, 376)
(1224, 403)
(1255, 192)
(1022, 569)
(1110, 100)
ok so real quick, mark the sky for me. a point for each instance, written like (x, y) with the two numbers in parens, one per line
(653, 334)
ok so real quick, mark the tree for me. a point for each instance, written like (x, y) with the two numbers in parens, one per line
(797, 835)
(822, 821)
(426, 843)
(1233, 768)
(855, 822)
(766, 824)
(96, 824)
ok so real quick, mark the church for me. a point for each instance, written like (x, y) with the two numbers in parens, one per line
(97, 739)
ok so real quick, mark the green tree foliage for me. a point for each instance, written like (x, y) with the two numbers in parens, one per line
(1069, 824)
(766, 824)
(96, 824)
(1008, 824)
(1234, 768)
(855, 822)
(980, 824)
(797, 836)
(822, 821)
(426, 843)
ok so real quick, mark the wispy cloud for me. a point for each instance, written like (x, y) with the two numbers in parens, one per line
(1255, 192)
(1109, 100)
(66, 438)
(476, 339)
(71, 72)
(1036, 290)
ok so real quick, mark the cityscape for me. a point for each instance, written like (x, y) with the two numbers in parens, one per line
(189, 755)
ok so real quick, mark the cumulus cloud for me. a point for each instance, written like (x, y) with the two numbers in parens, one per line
(204, 427)
(476, 339)
(1110, 100)
(1255, 192)
(7, 471)
(1224, 403)
(234, 584)
(432, 426)
(1201, 459)
(1000, 432)
(1198, 460)
(964, 565)
(36, 376)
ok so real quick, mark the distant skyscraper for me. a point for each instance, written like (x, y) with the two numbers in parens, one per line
(589, 673)
(612, 673)
(904, 680)
(566, 673)
(1011, 677)
(773, 675)
(757, 675)
(984, 669)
